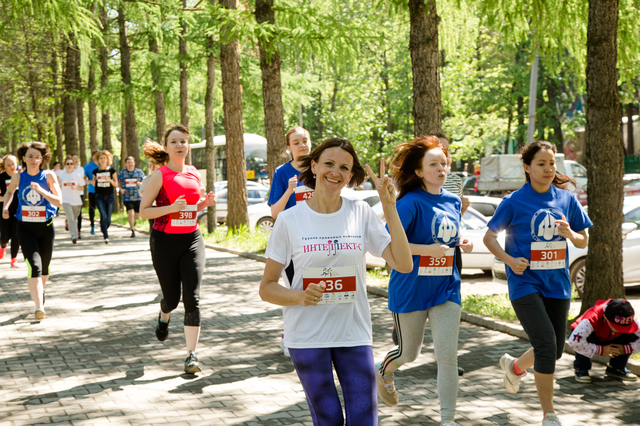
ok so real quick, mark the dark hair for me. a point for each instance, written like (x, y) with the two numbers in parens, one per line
(407, 158)
(308, 178)
(42, 147)
(156, 151)
(530, 151)
(130, 156)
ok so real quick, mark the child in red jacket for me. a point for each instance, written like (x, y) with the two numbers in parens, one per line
(608, 329)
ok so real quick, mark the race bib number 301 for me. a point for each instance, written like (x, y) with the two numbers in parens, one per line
(34, 214)
(548, 255)
(340, 283)
(303, 193)
(186, 217)
(437, 266)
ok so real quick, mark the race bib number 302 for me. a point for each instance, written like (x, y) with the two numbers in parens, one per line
(548, 255)
(186, 217)
(34, 214)
(437, 266)
(303, 193)
(340, 283)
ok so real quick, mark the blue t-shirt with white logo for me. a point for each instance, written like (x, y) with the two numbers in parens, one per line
(33, 207)
(427, 219)
(88, 172)
(280, 184)
(529, 217)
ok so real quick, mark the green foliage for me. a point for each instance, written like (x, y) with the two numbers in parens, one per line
(494, 306)
(242, 239)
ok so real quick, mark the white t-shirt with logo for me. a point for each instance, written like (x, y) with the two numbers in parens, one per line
(67, 180)
(303, 239)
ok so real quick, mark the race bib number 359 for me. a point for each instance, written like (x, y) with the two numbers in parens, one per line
(548, 255)
(340, 283)
(186, 217)
(437, 266)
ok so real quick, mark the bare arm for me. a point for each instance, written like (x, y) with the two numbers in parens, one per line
(271, 291)
(579, 239)
(280, 205)
(54, 197)
(8, 196)
(518, 265)
(151, 190)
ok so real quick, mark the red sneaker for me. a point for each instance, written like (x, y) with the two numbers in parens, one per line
(2, 250)
(14, 263)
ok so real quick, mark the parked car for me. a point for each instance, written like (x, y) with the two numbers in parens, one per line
(577, 257)
(486, 206)
(631, 184)
(256, 193)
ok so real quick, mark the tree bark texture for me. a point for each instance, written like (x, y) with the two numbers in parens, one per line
(423, 44)
(604, 153)
(208, 130)
(57, 107)
(104, 80)
(233, 128)
(82, 148)
(271, 91)
(68, 103)
(184, 78)
(93, 111)
(129, 104)
(156, 75)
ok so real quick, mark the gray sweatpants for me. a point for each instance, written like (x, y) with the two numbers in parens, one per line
(72, 213)
(444, 321)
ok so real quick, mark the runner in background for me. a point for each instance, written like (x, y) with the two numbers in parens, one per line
(538, 219)
(80, 171)
(323, 243)
(153, 166)
(177, 247)
(38, 202)
(105, 180)
(72, 186)
(9, 226)
(91, 190)
(130, 180)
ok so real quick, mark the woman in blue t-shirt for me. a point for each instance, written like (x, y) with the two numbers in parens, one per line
(430, 216)
(538, 219)
(285, 179)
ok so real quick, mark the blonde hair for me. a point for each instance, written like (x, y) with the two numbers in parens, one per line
(98, 154)
(15, 160)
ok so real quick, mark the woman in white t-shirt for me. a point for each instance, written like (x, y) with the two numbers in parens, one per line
(72, 185)
(323, 242)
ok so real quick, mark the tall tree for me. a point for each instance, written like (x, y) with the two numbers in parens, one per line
(82, 148)
(156, 75)
(423, 44)
(129, 103)
(208, 130)
(68, 101)
(233, 125)
(605, 164)
(184, 76)
(104, 79)
(57, 106)
(271, 88)
(93, 110)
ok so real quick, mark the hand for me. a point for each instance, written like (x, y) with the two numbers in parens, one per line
(5, 213)
(466, 245)
(465, 203)
(437, 250)
(36, 187)
(612, 351)
(383, 184)
(210, 199)
(518, 265)
(564, 230)
(179, 204)
(293, 182)
(313, 294)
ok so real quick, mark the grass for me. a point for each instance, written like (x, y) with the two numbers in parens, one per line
(243, 239)
(378, 277)
(494, 306)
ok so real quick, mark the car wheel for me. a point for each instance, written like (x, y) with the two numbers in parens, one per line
(265, 224)
(577, 274)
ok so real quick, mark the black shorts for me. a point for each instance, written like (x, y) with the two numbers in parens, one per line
(132, 205)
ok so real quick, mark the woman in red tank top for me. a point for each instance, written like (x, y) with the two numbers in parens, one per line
(177, 247)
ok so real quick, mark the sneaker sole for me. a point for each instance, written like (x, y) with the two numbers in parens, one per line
(40, 315)
(623, 378)
(586, 380)
(512, 389)
(383, 395)
(193, 369)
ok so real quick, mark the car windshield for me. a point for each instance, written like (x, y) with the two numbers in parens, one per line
(473, 221)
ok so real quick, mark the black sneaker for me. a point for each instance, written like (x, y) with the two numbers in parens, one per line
(133, 234)
(460, 371)
(162, 329)
(191, 365)
(625, 374)
(582, 376)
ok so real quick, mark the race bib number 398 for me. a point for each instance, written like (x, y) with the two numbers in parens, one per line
(548, 255)
(437, 266)
(186, 217)
(340, 283)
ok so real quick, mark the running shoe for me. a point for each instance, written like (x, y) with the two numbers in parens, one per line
(582, 376)
(74, 240)
(460, 371)
(2, 250)
(133, 233)
(79, 236)
(511, 380)
(625, 374)
(93, 231)
(162, 329)
(40, 314)
(14, 263)
(191, 365)
(451, 423)
(106, 241)
(386, 388)
(551, 419)
(66, 226)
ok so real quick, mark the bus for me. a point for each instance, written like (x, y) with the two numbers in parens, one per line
(255, 154)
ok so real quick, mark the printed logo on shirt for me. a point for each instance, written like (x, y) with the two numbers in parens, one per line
(443, 227)
(31, 197)
(331, 246)
(543, 226)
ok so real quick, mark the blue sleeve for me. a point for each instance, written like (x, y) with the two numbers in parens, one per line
(502, 217)
(578, 219)
(277, 188)
(406, 212)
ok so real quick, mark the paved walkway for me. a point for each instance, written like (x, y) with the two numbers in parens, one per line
(95, 359)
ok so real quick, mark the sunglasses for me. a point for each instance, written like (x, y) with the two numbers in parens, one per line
(69, 164)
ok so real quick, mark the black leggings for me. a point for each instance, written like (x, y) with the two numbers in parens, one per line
(92, 208)
(179, 258)
(37, 246)
(9, 231)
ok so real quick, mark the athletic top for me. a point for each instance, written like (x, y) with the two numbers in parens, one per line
(528, 218)
(67, 182)
(327, 247)
(103, 186)
(33, 207)
(427, 219)
(280, 184)
(5, 180)
(129, 183)
(174, 185)
(453, 184)
(88, 172)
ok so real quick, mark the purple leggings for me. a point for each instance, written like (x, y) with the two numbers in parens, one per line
(356, 373)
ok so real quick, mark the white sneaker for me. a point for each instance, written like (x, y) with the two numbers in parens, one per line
(511, 380)
(284, 349)
(386, 388)
(551, 419)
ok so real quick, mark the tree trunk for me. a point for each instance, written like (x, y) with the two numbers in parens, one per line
(68, 103)
(208, 130)
(156, 75)
(604, 156)
(630, 142)
(57, 106)
(184, 78)
(233, 128)
(93, 113)
(123, 141)
(423, 44)
(129, 105)
(271, 91)
(82, 148)
(104, 80)
(521, 126)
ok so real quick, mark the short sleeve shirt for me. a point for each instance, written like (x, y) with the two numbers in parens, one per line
(68, 183)
(88, 172)
(527, 216)
(129, 182)
(281, 183)
(303, 238)
(103, 186)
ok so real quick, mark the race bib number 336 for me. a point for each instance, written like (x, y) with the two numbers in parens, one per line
(186, 217)
(340, 283)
